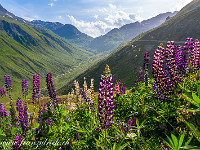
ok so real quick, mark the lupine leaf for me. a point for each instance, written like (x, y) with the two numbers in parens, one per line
(175, 141)
(198, 90)
(196, 99)
(171, 144)
(181, 140)
(192, 127)
(188, 142)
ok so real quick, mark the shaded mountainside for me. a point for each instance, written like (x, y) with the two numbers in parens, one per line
(126, 62)
(25, 51)
(115, 37)
(67, 31)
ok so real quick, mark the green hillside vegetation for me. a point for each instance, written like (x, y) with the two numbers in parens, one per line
(127, 60)
(25, 51)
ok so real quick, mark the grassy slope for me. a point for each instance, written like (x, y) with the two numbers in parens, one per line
(125, 62)
(25, 51)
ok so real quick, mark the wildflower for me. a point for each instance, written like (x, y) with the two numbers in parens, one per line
(120, 88)
(36, 87)
(146, 68)
(86, 98)
(162, 83)
(136, 81)
(105, 99)
(140, 75)
(8, 83)
(3, 112)
(22, 116)
(17, 143)
(24, 87)
(2, 92)
(50, 87)
(195, 56)
(131, 135)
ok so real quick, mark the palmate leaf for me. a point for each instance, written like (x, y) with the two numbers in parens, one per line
(170, 143)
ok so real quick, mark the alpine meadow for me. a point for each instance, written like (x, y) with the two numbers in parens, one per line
(113, 83)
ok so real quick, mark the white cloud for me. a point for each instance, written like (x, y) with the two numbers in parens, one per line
(60, 17)
(94, 28)
(119, 18)
(96, 16)
(112, 6)
(180, 4)
(51, 4)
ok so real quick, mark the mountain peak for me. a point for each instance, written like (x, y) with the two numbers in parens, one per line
(2, 9)
(8, 14)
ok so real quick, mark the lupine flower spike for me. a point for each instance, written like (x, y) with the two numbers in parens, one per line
(105, 100)
(50, 87)
(2, 92)
(146, 68)
(36, 88)
(17, 143)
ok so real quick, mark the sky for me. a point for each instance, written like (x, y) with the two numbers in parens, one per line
(93, 17)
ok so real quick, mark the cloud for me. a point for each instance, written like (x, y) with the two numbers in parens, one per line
(27, 17)
(60, 17)
(112, 6)
(180, 4)
(51, 4)
(94, 28)
(96, 16)
(119, 18)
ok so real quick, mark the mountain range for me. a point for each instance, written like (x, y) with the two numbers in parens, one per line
(110, 40)
(25, 50)
(128, 59)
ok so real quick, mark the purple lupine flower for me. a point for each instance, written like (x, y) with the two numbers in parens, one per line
(50, 87)
(146, 60)
(17, 143)
(136, 81)
(105, 99)
(2, 92)
(36, 87)
(22, 116)
(195, 56)
(86, 98)
(189, 44)
(181, 59)
(8, 83)
(41, 109)
(171, 65)
(19, 104)
(140, 75)
(122, 88)
(146, 68)
(132, 122)
(24, 87)
(3, 112)
(162, 83)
